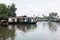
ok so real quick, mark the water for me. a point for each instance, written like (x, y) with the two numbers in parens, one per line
(40, 31)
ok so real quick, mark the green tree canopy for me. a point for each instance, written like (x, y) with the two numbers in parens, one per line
(6, 11)
(12, 10)
(52, 15)
(3, 10)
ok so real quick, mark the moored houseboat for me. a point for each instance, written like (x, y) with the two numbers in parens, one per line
(4, 22)
(12, 20)
(26, 20)
(22, 20)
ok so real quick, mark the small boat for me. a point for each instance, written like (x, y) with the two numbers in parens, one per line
(4, 22)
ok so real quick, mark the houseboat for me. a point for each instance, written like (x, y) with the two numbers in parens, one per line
(4, 22)
(22, 20)
(12, 20)
(26, 20)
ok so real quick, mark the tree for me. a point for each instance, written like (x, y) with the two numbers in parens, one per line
(53, 15)
(6, 11)
(3, 11)
(12, 10)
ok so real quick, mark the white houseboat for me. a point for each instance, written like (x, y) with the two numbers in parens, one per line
(12, 20)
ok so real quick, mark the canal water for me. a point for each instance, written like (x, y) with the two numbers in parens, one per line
(39, 31)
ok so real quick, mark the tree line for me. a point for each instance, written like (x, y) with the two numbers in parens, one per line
(52, 15)
(7, 10)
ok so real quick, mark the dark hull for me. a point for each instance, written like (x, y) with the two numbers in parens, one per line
(12, 22)
(3, 24)
(22, 22)
(27, 22)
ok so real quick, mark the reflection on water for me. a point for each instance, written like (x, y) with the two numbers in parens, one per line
(39, 31)
(5, 33)
(8, 32)
(26, 28)
(52, 26)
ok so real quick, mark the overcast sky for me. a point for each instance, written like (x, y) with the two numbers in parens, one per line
(34, 7)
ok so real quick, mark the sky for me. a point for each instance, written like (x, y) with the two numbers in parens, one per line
(34, 7)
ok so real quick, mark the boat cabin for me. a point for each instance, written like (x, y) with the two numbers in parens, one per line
(12, 20)
(26, 19)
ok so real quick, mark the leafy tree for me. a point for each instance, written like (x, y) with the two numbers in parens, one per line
(12, 10)
(52, 15)
(6, 11)
(3, 10)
